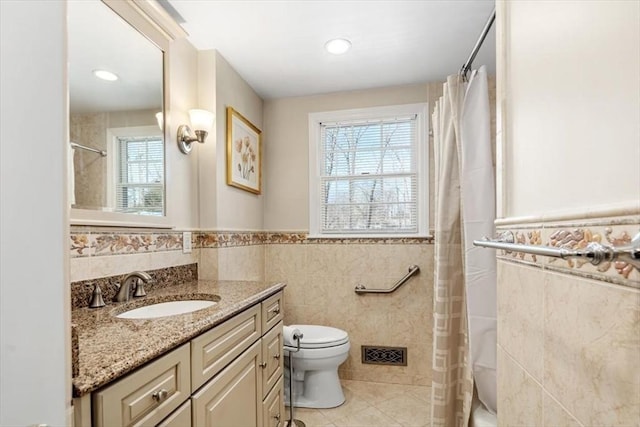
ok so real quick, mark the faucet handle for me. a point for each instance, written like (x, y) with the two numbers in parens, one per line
(96, 297)
(139, 291)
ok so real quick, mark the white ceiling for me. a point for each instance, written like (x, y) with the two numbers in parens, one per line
(278, 46)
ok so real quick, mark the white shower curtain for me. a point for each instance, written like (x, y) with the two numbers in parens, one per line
(464, 294)
(478, 215)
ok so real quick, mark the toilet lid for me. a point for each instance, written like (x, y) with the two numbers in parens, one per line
(314, 336)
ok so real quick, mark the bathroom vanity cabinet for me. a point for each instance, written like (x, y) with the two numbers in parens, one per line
(230, 375)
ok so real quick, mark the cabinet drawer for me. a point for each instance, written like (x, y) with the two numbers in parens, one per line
(146, 396)
(181, 417)
(272, 312)
(273, 407)
(234, 397)
(213, 350)
(272, 358)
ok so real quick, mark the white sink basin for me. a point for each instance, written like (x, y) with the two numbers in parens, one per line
(163, 309)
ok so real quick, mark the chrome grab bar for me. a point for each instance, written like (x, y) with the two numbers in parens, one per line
(413, 269)
(595, 252)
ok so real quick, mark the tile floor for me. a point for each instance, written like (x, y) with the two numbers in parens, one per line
(371, 404)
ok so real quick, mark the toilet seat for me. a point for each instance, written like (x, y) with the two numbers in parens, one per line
(315, 336)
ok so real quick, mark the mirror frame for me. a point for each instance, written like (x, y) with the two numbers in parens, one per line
(154, 23)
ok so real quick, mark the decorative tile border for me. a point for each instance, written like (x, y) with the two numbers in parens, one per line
(225, 239)
(91, 242)
(86, 242)
(372, 241)
(221, 239)
(81, 291)
(576, 235)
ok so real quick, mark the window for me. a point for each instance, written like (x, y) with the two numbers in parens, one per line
(140, 175)
(368, 172)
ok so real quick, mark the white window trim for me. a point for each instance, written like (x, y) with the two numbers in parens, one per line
(113, 134)
(422, 126)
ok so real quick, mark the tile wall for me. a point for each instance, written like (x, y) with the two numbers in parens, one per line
(568, 331)
(90, 170)
(321, 277)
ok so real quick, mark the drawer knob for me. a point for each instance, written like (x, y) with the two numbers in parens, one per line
(277, 417)
(263, 365)
(160, 395)
(275, 310)
(276, 356)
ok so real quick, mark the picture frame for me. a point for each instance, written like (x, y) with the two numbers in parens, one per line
(244, 153)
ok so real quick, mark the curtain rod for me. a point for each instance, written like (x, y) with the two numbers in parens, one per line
(467, 65)
(95, 150)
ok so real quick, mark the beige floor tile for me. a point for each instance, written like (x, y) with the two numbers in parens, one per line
(406, 410)
(373, 393)
(420, 392)
(368, 417)
(370, 404)
(353, 404)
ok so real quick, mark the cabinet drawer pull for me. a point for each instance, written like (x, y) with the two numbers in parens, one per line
(160, 395)
(263, 365)
(276, 356)
(277, 417)
(275, 310)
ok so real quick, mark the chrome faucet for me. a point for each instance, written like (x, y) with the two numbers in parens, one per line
(137, 278)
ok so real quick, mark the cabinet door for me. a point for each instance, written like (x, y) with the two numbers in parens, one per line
(181, 417)
(272, 358)
(215, 349)
(273, 414)
(233, 397)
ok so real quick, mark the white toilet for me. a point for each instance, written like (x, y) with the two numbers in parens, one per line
(315, 367)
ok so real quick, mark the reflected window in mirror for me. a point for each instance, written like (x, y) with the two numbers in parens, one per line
(139, 181)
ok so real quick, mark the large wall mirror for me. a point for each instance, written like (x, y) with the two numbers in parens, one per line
(116, 115)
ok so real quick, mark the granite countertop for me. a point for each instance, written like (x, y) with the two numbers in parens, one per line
(110, 347)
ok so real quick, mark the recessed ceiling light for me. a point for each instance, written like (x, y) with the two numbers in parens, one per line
(105, 75)
(337, 46)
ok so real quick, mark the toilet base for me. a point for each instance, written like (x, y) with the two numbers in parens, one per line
(319, 390)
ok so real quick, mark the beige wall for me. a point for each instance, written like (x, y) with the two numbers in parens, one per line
(569, 102)
(237, 209)
(223, 207)
(182, 171)
(572, 106)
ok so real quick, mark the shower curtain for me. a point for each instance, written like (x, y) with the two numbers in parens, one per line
(464, 288)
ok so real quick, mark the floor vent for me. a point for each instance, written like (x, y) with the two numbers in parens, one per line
(376, 355)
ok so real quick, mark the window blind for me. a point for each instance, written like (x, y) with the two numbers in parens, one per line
(368, 176)
(140, 180)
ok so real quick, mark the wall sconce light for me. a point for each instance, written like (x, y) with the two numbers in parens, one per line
(202, 121)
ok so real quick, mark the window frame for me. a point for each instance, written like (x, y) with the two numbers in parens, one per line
(114, 135)
(422, 165)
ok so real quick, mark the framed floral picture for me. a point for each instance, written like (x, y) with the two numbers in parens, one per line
(244, 153)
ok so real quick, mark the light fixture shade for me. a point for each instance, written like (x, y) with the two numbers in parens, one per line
(201, 119)
(160, 119)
